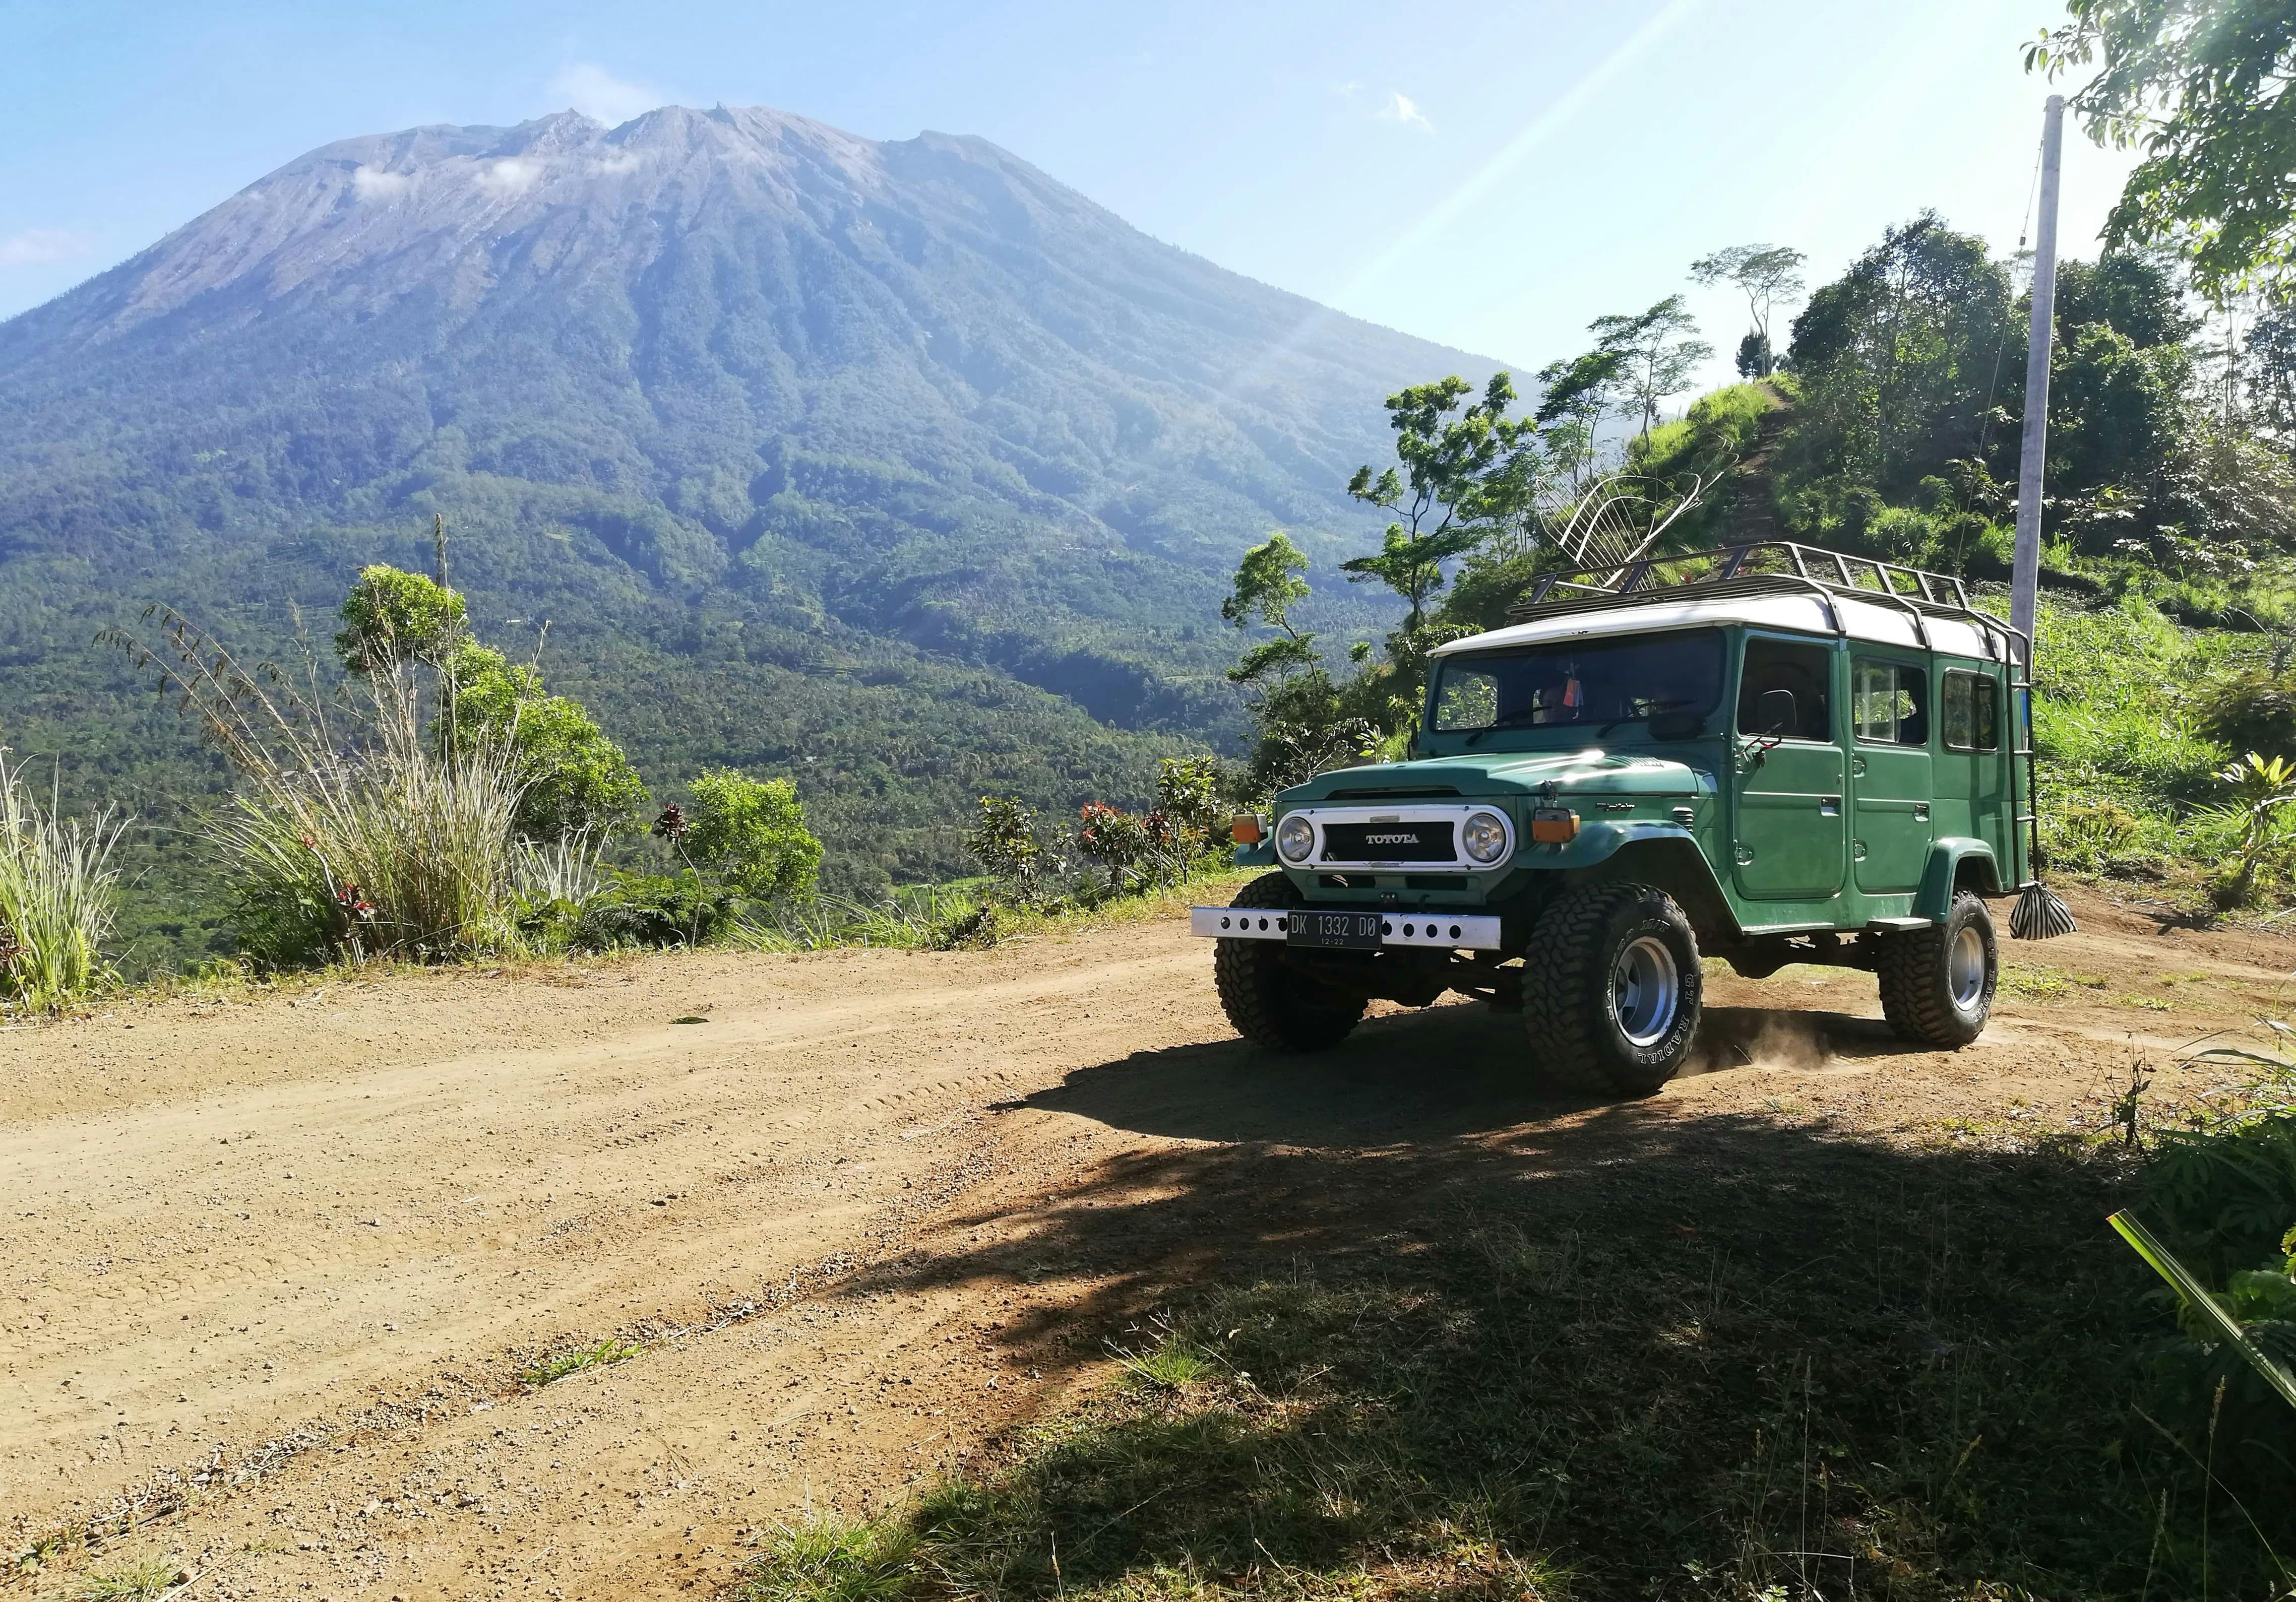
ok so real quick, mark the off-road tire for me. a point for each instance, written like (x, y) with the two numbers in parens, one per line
(1917, 979)
(1568, 1008)
(1269, 1003)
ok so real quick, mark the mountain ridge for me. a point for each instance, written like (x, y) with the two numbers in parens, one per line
(726, 394)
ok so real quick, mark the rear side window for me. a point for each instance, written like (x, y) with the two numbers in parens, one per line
(1971, 713)
(1784, 691)
(1888, 702)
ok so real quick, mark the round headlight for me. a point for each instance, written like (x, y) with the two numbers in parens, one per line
(1295, 837)
(1484, 837)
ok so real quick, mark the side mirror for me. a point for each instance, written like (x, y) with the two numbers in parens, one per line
(1774, 714)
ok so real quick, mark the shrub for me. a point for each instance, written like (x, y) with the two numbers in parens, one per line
(652, 909)
(392, 850)
(1187, 800)
(1116, 840)
(2090, 835)
(2257, 815)
(751, 833)
(1898, 534)
(373, 841)
(2251, 710)
(59, 894)
(1003, 841)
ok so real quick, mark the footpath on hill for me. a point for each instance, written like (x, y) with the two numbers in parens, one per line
(271, 1268)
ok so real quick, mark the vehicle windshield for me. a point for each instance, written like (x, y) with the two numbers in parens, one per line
(1579, 682)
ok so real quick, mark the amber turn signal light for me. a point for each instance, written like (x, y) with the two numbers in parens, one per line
(1245, 829)
(1553, 825)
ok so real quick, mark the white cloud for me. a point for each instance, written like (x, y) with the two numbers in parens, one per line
(37, 247)
(373, 183)
(1402, 110)
(623, 162)
(595, 91)
(510, 176)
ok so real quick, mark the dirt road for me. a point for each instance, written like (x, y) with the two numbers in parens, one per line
(290, 1254)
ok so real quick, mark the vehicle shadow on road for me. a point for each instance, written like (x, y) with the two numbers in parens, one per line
(1665, 1284)
(1438, 1073)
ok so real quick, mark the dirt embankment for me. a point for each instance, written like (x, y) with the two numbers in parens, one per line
(296, 1250)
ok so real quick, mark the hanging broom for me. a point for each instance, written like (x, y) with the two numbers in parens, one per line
(2039, 914)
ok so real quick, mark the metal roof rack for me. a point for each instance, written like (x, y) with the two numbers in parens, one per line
(1765, 568)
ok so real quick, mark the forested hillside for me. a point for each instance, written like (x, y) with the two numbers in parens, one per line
(894, 467)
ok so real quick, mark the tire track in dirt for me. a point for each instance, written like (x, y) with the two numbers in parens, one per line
(935, 1182)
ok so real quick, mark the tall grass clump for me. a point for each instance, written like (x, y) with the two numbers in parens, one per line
(59, 895)
(355, 832)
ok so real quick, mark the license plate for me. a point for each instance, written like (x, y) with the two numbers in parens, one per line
(1341, 931)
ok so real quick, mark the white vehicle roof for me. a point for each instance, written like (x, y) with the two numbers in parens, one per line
(1801, 613)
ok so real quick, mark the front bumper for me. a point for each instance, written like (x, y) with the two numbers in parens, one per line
(1437, 930)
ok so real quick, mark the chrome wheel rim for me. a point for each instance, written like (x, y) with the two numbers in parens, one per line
(1646, 991)
(1964, 968)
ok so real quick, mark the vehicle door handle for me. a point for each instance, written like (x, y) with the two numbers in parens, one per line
(1828, 807)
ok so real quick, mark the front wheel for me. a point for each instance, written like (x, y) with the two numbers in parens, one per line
(1611, 990)
(1270, 1002)
(1936, 982)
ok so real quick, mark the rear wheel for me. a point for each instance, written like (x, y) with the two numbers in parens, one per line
(1270, 1002)
(1936, 982)
(1611, 990)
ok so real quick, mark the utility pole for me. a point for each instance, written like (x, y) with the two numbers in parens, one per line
(2027, 581)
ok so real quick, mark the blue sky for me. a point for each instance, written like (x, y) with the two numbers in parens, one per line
(1491, 176)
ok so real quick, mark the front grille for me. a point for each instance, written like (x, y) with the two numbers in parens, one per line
(1428, 840)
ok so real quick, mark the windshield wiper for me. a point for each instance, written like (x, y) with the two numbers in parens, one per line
(1649, 708)
(1513, 720)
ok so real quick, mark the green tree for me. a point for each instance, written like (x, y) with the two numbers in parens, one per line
(391, 616)
(2271, 366)
(1766, 274)
(2116, 417)
(1269, 581)
(576, 780)
(2140, 296)
(1899, 359)
(1658, 351)
(1441, 491)
(1755, 358)
(2201, 86)
(1574, 395)
(752, 834)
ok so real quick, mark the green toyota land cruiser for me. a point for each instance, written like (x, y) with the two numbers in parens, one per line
(1768, 754)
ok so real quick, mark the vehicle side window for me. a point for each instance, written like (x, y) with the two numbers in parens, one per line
(1783, 690)
(1971, 714)
(1890, 702)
